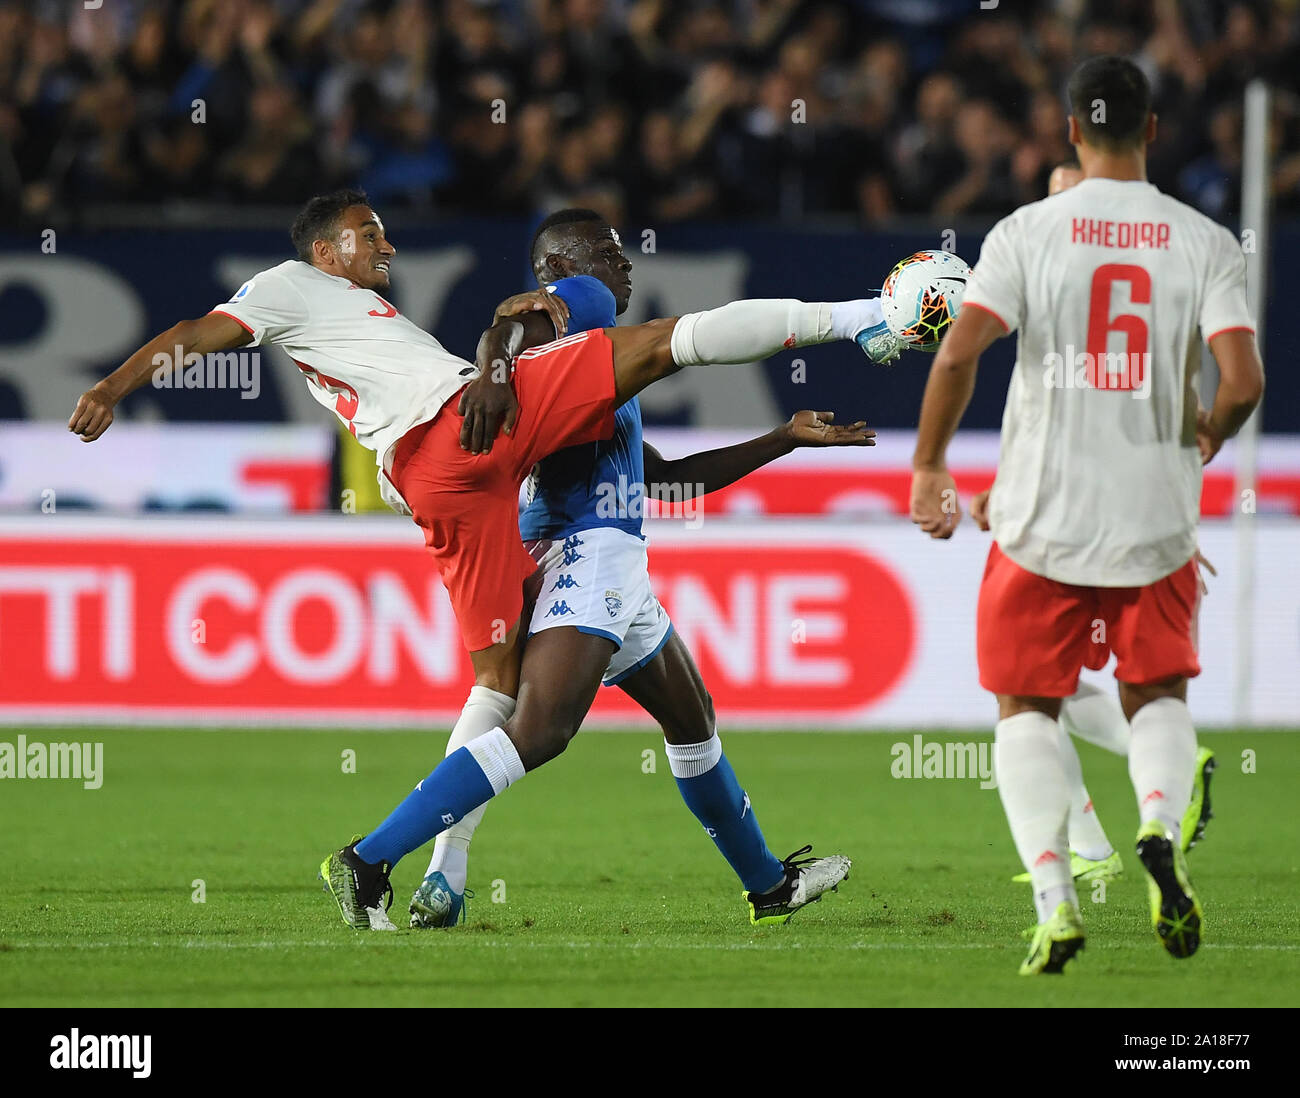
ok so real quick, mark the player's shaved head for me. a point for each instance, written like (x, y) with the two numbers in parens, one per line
(321, 219)
(1110, 100)
(578, 241)
(558, 229)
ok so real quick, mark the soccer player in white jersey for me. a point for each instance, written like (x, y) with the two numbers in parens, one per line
(432, 420)
(1095, 716)
(1097, 496)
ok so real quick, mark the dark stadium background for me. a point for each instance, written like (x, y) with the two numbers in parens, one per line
(153, 153)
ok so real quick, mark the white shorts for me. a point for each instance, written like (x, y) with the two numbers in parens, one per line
(598, 581)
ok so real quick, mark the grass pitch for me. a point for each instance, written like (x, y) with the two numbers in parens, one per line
(596, 887)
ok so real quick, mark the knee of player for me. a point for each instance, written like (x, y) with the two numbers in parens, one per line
(710, 716)
(540, 740)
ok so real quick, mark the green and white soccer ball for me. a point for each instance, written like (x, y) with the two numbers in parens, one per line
(922, 296)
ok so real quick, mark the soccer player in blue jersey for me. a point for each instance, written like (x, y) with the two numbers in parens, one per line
(596, 615)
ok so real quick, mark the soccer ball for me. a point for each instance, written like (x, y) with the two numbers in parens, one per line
(922, 296)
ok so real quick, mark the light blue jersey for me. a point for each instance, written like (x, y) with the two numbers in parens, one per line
(599, 484)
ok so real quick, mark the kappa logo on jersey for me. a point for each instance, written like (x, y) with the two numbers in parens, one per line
(559, 609)
(613, 603)
(571, 554)
(564, 582)
(745, 808)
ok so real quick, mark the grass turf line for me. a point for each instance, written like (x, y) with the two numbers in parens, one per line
(610, 892)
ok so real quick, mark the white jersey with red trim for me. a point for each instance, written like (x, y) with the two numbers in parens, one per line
(1099, 479)
(362, 359)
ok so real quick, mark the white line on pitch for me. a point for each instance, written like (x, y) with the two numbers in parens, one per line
(760, 947)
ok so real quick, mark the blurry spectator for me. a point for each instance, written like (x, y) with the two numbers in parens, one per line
(663, 186)
(929, 160)
(1212, 183)
(276, 160)
(1043, 148)
(677, 109)
(985, 186)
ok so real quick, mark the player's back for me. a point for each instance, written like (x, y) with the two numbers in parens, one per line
(1108, 283)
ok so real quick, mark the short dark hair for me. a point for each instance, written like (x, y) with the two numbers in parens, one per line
(571, 216)
(1120, 89)
(319, 219)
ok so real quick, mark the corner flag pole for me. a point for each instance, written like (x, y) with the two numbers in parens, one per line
(1255, 175)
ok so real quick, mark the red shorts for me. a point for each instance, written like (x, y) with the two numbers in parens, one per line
(1033, 634)
(468, 504)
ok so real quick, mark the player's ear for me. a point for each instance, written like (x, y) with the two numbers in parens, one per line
(1072, 130)
(1151, 128)
(558, 266)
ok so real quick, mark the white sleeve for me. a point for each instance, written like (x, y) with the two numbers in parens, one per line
(998, 281)
(1224, 307)
(267, 306)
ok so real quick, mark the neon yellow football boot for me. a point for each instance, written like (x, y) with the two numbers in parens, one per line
(1085, 869)
(1198, 812)
(1055, 941)
(1175, 910)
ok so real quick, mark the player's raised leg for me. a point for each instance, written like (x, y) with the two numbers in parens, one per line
(742, 332)
(671, 689)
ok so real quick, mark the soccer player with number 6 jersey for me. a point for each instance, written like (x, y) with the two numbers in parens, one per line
(1097, 496)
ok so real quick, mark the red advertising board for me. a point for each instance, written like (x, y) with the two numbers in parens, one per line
(342, 621)
(312, 620)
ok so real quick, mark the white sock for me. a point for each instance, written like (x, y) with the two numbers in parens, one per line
(496, 756)
(1087, 838)
(1161, 760)
(690, 760)
(484, 710)
(746, 331)
(1095, 716)
(848, 318)
(1036, 798)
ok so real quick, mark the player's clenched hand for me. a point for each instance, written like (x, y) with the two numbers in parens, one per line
(979, 509)
(93, 416)
(534, 301)
(935, 508)
(820, 429)
(487, 403)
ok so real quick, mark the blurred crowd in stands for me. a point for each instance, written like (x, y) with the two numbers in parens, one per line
(651, 110)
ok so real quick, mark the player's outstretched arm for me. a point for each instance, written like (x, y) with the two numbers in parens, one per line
(947, 393)
(1241, 385)
(214, 332)
(699, 474)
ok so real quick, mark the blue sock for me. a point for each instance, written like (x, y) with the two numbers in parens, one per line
(457, 785)
(723, 808)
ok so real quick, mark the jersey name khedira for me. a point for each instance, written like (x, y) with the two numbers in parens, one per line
(1111, 286)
